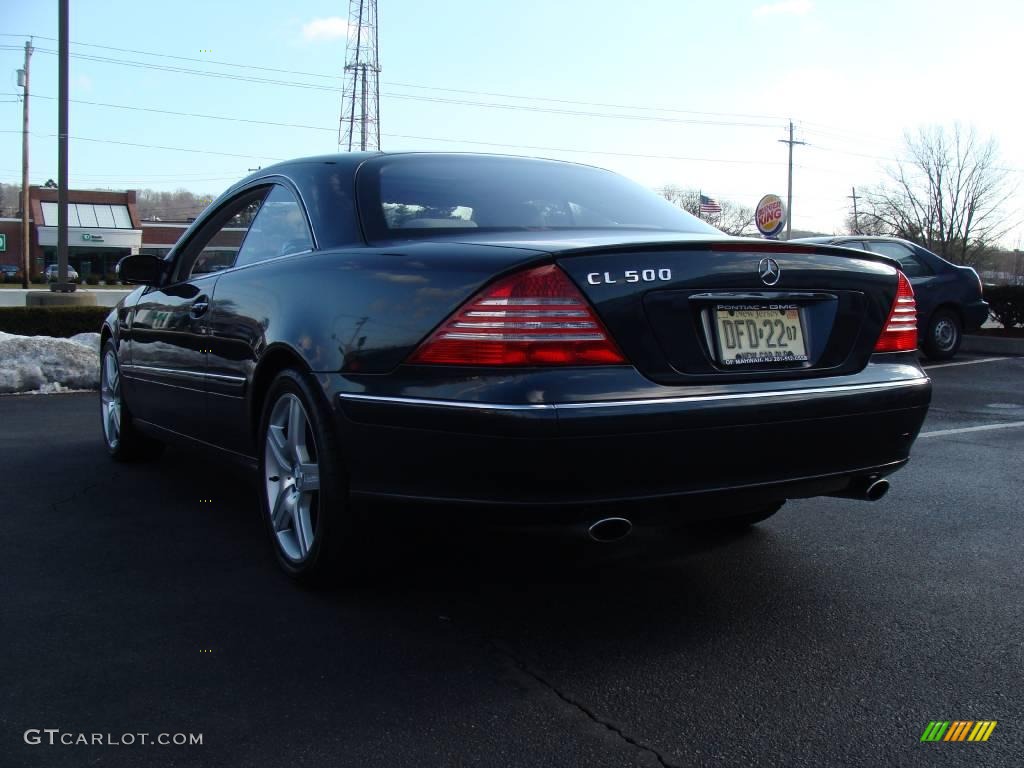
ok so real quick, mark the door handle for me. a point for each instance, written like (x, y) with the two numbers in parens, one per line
(199, 307)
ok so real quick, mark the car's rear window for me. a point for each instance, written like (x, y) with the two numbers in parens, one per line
(416, 196)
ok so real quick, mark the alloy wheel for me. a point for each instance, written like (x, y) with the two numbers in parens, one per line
(292, 481)
(110, 400)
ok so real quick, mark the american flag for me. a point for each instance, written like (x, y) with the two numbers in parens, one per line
(709, 205)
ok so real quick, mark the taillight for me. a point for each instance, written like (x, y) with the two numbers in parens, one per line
(900, 332)
(534, 317)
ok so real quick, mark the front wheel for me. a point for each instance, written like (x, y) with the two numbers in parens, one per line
(123, 440)
(302, 486)
(943, 336)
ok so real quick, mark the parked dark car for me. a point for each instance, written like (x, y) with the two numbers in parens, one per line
(520, 339)
(949, 297)
(8, 270)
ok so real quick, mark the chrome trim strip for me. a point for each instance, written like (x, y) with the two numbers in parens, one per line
(630, 403)
(182, 373)
(225, 377)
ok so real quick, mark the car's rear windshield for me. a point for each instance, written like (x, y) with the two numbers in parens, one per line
(421, 195)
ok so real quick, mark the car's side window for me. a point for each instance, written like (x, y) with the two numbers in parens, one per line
(216, 245)
(858, 244)
(278, 229)
(911, 265)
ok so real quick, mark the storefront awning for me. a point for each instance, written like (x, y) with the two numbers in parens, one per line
(93, 237)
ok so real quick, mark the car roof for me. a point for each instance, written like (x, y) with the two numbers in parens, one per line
(840, 239)
(352, 160)
(302, 172)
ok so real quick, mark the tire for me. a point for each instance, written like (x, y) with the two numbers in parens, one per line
(737, 523)
(944, 334)
(303, 488)
(124, 442)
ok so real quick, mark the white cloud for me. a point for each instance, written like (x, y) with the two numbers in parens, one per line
(784, 8)
(329, 28)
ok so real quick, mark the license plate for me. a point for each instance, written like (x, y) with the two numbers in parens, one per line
(756, 335)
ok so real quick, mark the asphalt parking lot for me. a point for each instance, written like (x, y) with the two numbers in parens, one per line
(831, 635)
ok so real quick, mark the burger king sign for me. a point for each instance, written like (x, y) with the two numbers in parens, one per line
(770, 215)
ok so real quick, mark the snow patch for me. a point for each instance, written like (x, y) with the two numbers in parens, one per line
(45, 364)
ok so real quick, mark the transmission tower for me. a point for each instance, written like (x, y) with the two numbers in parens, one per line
(360, 96)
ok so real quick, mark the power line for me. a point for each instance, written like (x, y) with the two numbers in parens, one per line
(893, 159)
(191, 114)
(587, 151)
(154, 146)
(575, 150)
(409, 97)
(811, 126)
(609, 153)
(331, 76)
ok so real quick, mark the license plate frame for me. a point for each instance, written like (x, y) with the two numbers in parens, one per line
(729, 353)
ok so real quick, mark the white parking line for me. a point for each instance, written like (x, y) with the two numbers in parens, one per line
(981, 428)
(966, 362)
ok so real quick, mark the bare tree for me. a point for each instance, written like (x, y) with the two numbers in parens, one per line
(948, 194)
(10, 199)
(865, 224)
(734, 219)
(687, 199)
(180, 204)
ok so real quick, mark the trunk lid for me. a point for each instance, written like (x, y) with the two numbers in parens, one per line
(701, 310)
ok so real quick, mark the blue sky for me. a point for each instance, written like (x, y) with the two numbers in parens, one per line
(716, 83)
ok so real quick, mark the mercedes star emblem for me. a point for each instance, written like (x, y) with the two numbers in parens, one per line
(769, 271)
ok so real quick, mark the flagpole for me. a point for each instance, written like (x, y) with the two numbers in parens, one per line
(700, 194)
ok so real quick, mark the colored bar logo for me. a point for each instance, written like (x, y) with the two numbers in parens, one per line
(959, 730)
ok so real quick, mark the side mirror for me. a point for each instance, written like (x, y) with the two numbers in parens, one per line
(141, 268)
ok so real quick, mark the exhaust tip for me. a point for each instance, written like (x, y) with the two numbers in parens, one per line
(876, 490)
(610, 529)
(865, 488)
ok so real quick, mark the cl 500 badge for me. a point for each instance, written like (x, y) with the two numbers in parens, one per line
(630, 276)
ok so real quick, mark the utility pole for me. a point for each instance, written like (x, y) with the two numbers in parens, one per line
(26, 231)
(62, 284)
(856, 220)
(789, 193)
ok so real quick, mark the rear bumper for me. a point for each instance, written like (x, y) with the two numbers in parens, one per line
(767, 445)
(975, 314)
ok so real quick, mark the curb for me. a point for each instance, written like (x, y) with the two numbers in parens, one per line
(992, 345)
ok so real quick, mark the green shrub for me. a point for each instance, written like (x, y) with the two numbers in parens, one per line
(1006, 303)
(110, 278)
(92, 279)
(37, 278)
(52, 321)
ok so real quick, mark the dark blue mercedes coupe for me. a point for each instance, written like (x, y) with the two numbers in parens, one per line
(520, 339)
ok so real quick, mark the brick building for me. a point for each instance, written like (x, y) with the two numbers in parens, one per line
(103, 227)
